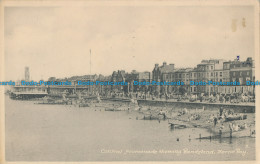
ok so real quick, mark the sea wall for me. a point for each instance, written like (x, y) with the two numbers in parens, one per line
(193, 105)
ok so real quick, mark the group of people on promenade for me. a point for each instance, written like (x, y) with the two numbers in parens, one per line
(184, 97)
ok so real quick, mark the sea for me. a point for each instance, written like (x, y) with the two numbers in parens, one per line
(44, 132)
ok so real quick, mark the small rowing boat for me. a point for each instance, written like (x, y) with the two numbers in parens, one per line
(177, 126)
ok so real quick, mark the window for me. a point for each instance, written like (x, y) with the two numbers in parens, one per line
(234, 73)
(179, 75)
(240, 73)
(195, 74)
(207, 67)
(211, 74)
(216, 73)
(211, 67)
(198, 74)
(191, 75)
(220, 74)
(247, 73)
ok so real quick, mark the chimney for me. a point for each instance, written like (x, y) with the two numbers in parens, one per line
(172, 65)
(164, 63)
(156, 65)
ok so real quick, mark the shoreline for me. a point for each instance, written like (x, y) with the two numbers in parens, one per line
(172, 114)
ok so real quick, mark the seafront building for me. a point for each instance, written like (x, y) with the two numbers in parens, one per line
(162, 73)
(243, 71)
(216, 70)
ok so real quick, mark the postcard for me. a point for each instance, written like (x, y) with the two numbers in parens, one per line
(129, 81)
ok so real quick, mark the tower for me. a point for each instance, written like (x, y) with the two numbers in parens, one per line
(27, 74)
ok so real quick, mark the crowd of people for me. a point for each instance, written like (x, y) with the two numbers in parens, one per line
(203, 97)
(222, 116)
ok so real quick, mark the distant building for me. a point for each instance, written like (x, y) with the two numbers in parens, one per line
(226, 71)
(160, 74)
(118, 76)
(182, 75)
(193, 77)
(209, 70)
(139, 77)
(52, 79)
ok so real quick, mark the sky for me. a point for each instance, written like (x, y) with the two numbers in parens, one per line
(56, 41)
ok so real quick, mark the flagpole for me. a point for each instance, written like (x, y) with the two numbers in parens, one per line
(90, 60)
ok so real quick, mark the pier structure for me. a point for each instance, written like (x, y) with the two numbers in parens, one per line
(27, 92)
(38, 91)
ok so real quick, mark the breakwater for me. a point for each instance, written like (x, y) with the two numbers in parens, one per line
(240, 108)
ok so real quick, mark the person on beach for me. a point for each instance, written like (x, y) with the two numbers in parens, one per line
(185, 110)
(189, 119)
(215, 121)
(235, 127)
(245, 126)
(211, 117)
(220, 111)
(241, 116)
(231, 126)
(222, 127)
